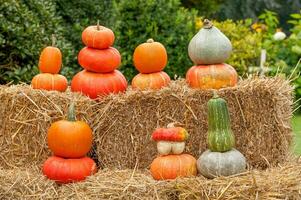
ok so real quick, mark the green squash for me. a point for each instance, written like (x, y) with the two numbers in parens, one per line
(220, 136)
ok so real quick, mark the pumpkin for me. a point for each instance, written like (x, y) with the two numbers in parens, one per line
(64, 170)
(69, 138)
(211, 76)
(170, 140)
(98, 37)
(173, 166)
(48, 81)
(103, 83)
(212, 164)
(50, 59)
(220, 136)
(221, 159)
(209, 46)
(154, 81)
(96, 60)
(150, 57)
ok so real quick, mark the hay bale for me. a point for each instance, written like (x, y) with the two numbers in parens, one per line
(276, 183)
(283, 182)
(26, 184)
(260, 113)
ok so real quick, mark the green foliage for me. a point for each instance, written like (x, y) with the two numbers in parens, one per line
(246, 44)
(164, 21)
(207, 8)
(25, 28)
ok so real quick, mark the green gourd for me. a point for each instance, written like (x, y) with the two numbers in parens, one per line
(220, 136)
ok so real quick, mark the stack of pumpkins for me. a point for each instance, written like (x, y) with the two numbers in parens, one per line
(50, 63)
(100, 61)
(150, 59)
(209, 49)
(171, 162)
(69, 140)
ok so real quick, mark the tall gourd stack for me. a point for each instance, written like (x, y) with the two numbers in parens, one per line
(100, 61)
(50, 64)
(209, 49)
(150, 59)
(69, 140)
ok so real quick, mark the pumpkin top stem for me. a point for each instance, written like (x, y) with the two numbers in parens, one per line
(215, 95)
(71, 112)
(207, 24)
(97, 26)
(150, 40)
(53, 40)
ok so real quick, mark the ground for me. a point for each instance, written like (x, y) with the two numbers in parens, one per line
(296, 123)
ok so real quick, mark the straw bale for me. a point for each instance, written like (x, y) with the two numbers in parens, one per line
(283, 182)
(260, 111)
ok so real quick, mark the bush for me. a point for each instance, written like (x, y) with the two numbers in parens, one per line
(26, 28)
(164, 21)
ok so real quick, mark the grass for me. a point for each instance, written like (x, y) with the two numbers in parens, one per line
(296, 123)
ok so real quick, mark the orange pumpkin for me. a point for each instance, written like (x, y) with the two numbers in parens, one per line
(98, 84)
(173, 166)
(69, 138)
(150, 81)
(212, 76)
(98, 37)
(102, 61)
(150, 57)
(48, 81)
(50, 59)
(64, 170)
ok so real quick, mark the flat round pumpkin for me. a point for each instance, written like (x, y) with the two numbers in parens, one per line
(47, 81)
(153, 81)
(98, 84)
(100, 61)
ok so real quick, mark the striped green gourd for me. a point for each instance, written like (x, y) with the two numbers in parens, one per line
(220, 136)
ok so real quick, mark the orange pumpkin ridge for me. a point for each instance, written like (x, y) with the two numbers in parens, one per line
(103, 83)
(173, 166)
(96, 60)
(211, 76)
(98, 37)
(64, 170)
(47, 81)
(150, 57)
(154, 81)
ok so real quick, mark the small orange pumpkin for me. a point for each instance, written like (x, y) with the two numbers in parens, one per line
(173, 166)
(50, 59)
(101, 61)
(212, 76)
(150, 81)
(69, 138)
(150, 57)
(64, 170)
(98, 37)
(48, 81)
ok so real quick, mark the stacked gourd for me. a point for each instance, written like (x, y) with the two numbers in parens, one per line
(171, 162)
(209, 49)
(50, 63)
(222, 159)
(100, 61)
(69, 140)
(150, 59)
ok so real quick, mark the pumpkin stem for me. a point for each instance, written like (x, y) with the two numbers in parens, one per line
(215, 95)
(150, 40)
(71, 112)
(53, 40)
(207, 24)
(97, 26)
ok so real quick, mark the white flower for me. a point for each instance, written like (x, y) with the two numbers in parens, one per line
(279, 36)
